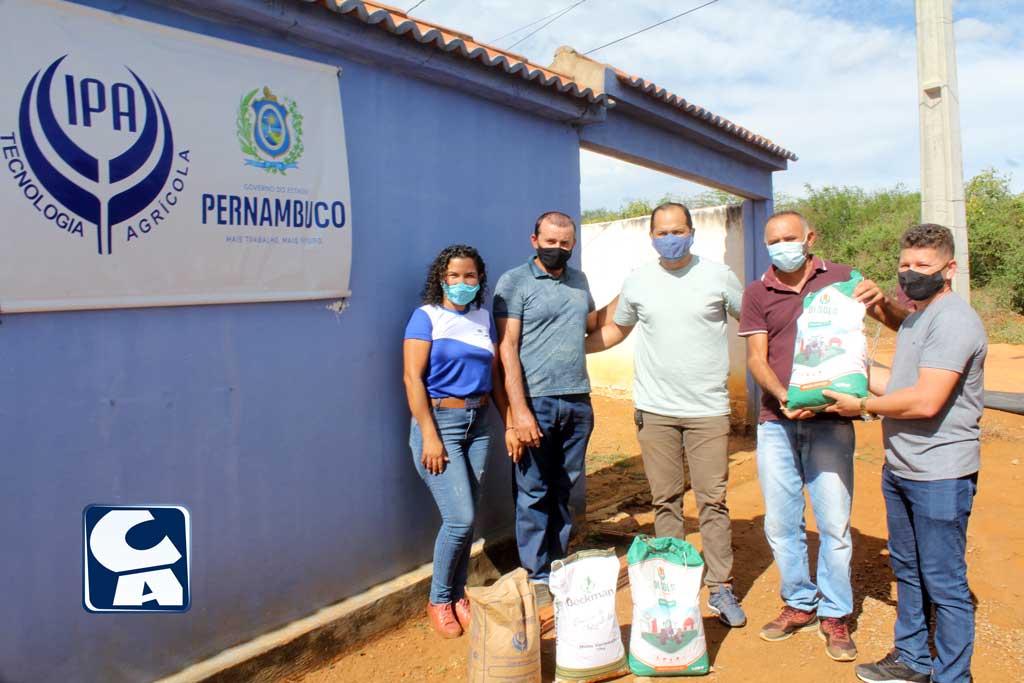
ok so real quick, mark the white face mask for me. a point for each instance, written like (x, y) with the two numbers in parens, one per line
(787, 256)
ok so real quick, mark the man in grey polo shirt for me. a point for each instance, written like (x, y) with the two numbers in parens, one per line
(680, 304)
(542, 311)
(932, 401)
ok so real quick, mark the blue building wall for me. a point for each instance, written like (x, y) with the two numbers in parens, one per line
(283, 427)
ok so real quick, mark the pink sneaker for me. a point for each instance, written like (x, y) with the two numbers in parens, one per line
(462, 613)
(443, 619)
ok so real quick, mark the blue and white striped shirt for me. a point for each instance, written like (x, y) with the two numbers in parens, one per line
(461, 351)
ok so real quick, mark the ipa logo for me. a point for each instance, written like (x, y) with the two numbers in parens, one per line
(137, 558)
(95, 148)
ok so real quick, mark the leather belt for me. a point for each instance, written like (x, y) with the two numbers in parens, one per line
(469, 402)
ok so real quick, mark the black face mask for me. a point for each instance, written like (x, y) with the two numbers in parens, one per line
(919, 286)
(553, 258)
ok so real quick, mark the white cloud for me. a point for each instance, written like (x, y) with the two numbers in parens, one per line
(972, 30)
(834, 82)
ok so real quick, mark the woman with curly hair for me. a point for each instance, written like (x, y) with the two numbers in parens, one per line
(451, 375)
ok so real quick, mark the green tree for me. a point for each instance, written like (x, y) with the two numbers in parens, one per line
(995, 223)
(861, 228)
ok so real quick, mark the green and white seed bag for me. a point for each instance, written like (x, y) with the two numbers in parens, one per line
(830, 351)
(667, 636)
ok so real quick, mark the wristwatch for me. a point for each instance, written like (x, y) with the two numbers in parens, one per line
(864, 414)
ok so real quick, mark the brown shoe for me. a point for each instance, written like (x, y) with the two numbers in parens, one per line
(789, 621)
(838, 643)
(443, 619)
(462, 613)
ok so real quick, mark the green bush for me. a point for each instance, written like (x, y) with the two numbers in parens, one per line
(995, 220)
(860, 228)
(642, 207)
(863, 228)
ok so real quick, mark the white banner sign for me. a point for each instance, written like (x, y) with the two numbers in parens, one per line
(149, 166)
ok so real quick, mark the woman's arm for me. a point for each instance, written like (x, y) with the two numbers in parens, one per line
(416, 356)
(501, 404)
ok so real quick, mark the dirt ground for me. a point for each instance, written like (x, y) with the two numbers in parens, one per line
(995, 557)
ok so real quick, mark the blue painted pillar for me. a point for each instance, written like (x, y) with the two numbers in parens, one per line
(755, 263)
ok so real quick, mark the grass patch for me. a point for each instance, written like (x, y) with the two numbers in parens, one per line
(1004, 326)
(600, 461)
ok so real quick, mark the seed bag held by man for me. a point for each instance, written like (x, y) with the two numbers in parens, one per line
(588, 640)
(504, 636)
(830, 350)
(667, 637)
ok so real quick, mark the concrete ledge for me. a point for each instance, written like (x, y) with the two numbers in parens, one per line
(310, 642)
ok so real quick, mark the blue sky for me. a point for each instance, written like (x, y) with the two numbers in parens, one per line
(834, 81)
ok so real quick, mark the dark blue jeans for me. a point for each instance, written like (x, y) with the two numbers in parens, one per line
(545, 477)
(466, 436)
(927, 543)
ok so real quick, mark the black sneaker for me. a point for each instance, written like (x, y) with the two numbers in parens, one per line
(890, 670)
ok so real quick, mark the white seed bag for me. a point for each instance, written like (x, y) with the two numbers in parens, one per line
(587, 637)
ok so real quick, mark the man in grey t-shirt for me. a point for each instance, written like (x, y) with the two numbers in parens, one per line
(542, 311)
(679, 306)
(932, 401)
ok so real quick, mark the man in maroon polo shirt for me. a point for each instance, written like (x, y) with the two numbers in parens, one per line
(799, 448)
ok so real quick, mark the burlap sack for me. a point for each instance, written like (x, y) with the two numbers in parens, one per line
(504, 637)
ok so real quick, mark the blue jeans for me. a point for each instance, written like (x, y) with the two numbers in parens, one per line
(466, 436)
(545, 477)
(818, 454)
(927, 540)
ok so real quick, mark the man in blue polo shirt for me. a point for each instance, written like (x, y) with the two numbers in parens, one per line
(543, 310)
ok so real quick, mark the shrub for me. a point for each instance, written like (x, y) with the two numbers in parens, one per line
(863, 228)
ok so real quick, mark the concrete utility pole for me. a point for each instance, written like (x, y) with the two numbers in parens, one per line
(942, 169)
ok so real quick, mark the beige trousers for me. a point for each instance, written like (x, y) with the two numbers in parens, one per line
(704, 441)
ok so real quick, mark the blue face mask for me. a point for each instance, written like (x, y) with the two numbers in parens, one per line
(461, 293)
(673, 247)
(787, 256)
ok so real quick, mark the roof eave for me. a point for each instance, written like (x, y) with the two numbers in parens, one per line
(652, 91)
(648, 100)
(460, 44)
(310, 23)
(657, 113)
